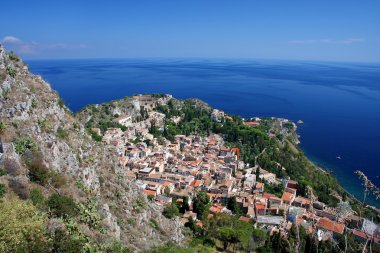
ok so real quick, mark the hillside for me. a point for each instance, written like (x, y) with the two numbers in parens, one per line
(141, 173)
(272, 145)
(75, 184)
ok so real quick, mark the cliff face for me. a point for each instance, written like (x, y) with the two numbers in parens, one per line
(30, 110)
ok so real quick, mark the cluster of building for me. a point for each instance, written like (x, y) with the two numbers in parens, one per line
(177, 170)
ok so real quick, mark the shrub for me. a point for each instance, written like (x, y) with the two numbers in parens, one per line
(38, 172)
(56, 179)
(89, 214)
(21, 227)
(12, 167)
(13, 56)
(34, 103)
(62, 206)
(171, 211)
(115, 247)
(25, 144)
(153, 223)
(19, 186)
(139, 204)
(37, 197)
(45, 124)
(62, 133)
(95, 136)
(2, 190)
(5, 92)
(66, 243)
(2, 127)
(11, 71)
(61, 103)
(2, 172)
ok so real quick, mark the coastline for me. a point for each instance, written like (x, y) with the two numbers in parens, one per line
(290, 102)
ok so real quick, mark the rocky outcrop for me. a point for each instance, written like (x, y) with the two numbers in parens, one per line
(29, 107)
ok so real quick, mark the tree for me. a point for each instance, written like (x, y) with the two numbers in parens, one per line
(184, 205)
(21, 227)
(201, 203)
(257, 174)
(233, 206)
(171, 211)
(66, 243)
(62, 206)
(227, 235)
(192, 225)
(259, 237)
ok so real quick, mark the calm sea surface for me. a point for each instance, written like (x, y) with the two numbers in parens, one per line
(339, 102)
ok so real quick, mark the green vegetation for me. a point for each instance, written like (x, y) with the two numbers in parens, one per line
(104, 125)
(233, 206)
(171, 211)
(201, 204)
(252, 141)
(274, 189)
(38, 172)
(153, 223)
(5, 92)
(89, 214)
(62, 133)
(2, 190)
(61, 102)
(94, 135)
(13, 56)
(45, 124)
(62, 206)
(11, 71)
(24, 144)
(2, 127)
(34, 103)
(115, 247)
(21, 228)
(139, 204)
(37, 198)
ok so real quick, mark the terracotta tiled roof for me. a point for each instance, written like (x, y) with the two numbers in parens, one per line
(268, 195)
(216, 208)
(360, 234)
(287, 196)
(259, 185)
(150, 192)
(251, 123)
(260, 206)
(196, 183)
(330, 225)
(243, 218)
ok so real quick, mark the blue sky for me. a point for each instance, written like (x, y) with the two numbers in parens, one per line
(301, 30)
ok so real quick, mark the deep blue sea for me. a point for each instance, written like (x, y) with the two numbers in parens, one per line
(338, 102)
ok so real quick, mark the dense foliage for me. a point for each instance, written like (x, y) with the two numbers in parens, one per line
(21, 227)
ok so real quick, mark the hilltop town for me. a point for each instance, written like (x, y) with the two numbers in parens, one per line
(158, 174)
(171, 172)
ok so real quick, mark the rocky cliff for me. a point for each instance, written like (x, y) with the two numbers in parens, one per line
(35, 122)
